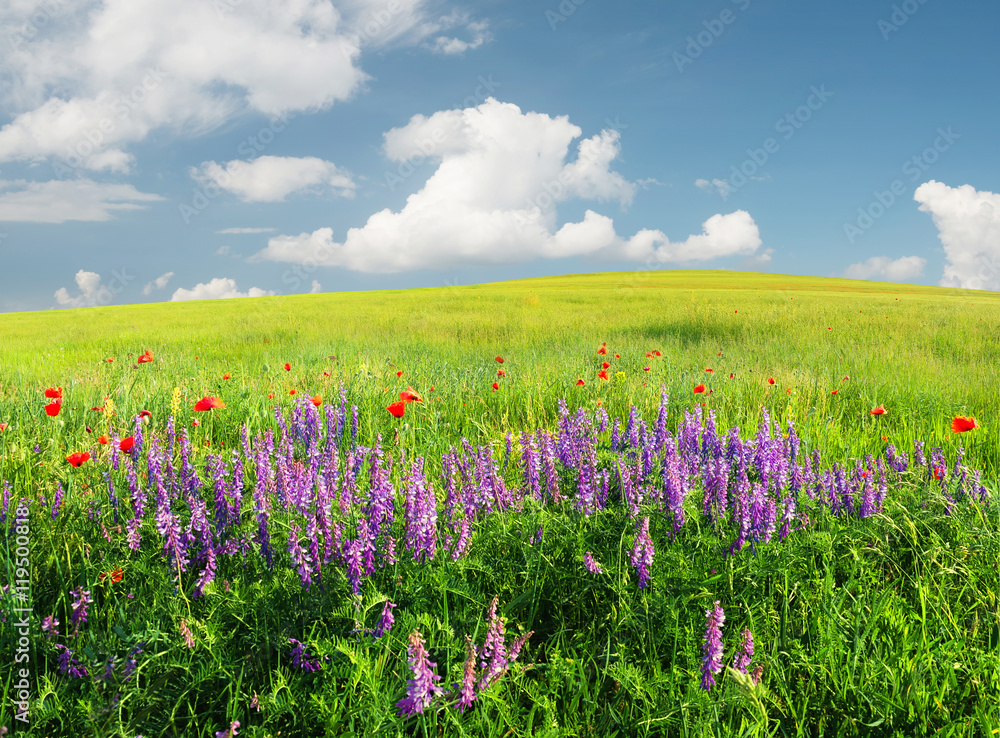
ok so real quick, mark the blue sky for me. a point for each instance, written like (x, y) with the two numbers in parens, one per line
(153, 150)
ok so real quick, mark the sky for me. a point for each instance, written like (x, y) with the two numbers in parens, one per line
(158, 150)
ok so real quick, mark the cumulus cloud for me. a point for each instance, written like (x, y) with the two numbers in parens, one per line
(493, 199)
(968, 223)
(272, 178)
(157, 284)
(883, 268)
(316, 287)
(239, 231)
(57, 201)
(220, 288)
(92, 292)
(453, 45)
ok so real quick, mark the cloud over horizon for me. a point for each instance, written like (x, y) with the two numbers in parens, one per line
(493, 200)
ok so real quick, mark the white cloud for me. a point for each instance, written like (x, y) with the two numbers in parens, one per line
(220, 288)
(316, 287)
(57, 201)
(272, 178)
(92, 292)
(239, 231)
(968, 223)
(886, 269)
(492, 199)
(157, 284)
(453, 45)
(721, 186)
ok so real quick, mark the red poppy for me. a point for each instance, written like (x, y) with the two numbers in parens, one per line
(196, 422)
(410, 395)
(499, 359)
(116, 575)
(97, 409)
(845, 379)
(52, 409)
(699, 389)
(649, 355)
(399, 374)
(501, 373)
(732, 376)
(146, 357)
(110, 359)
(317, 400)
(432, 388)
(270, 396)
(962, 424)
(225, 376)
(126, 443)
(829, 329)
(397, 409)
(834, 392)
(288, 367)
(645, 368)
(657, 353)
(770, 380)
(602, 374)
(102, 440)
(939, 473)
(54, 394)
(618, 356)
(292, 392)
(605, 365)
(495, 386)
(580, 383)
(3, 427)
(719, 354)
(145, 414)
(603, 350)
(710, 370)
(788, 391)
(878, 411)
(78, 458)
(209, 403)
(88, 429)
(326, 374)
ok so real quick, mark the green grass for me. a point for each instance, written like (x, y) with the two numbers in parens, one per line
(881, 626)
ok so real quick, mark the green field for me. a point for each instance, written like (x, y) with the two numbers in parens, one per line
(881, 624)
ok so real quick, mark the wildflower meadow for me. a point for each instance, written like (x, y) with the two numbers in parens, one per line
(623, 504)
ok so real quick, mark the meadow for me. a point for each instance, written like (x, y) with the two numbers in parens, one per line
(579, 549)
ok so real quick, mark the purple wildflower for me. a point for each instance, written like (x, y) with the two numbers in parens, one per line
(131, 662)
(301, 659)
(745, 654)
(421, 689)
(229, 732)
(57, 501)
(592, 566)
(69, 665)
(642, 553)
(385, 623)
(467, 691)
(712, 648)
(50, 625)
(81, 599)
(186, 632)
(299, 556)
(493, 655)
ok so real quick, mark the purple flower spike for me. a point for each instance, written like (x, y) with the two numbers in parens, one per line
(712, 648)
(467, 690)
(300, 659)
(421, 689)
(592, 566)
(745, 655)
(494, 652)
(642, 553)
(387, 620)
(81, 599)
(69, 665)
(229, 732)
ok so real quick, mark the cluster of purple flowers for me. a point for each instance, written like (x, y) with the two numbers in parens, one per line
(301, 659)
